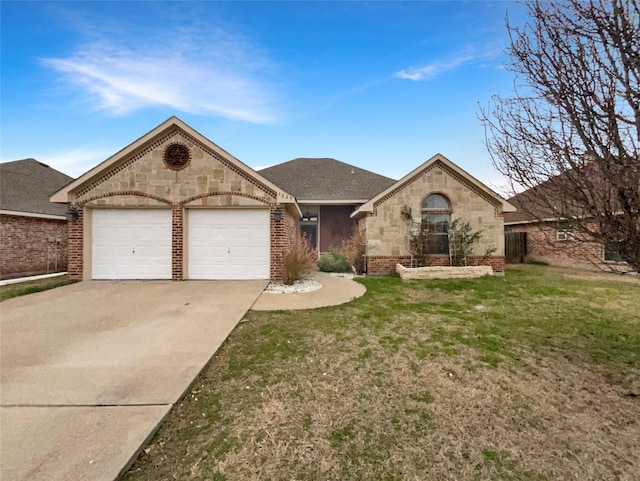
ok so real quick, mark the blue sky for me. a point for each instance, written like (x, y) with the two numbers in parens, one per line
(381, 85)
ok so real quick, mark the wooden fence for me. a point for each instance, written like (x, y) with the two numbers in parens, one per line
(515, 247)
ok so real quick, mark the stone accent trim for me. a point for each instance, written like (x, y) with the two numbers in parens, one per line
(237, 193)
(124, 192)
(230, 166)
(178, 166)
(442, 166)
(122, 166)
(156, 144)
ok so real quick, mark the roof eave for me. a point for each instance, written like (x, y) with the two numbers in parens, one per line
(368, 206)
(32, 214)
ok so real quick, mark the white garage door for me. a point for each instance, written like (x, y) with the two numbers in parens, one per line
(131, 244)
(228, 244)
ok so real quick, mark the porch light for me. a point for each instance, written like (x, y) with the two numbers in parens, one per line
(277, 214)
(308, 217)
(72, 213)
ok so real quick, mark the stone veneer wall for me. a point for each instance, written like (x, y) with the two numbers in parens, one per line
(388, 231)
(143, 180)
(31, 246)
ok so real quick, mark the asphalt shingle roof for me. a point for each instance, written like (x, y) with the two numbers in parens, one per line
(25, 186)
(326, 179)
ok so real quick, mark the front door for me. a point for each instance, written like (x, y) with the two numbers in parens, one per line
(311, 233)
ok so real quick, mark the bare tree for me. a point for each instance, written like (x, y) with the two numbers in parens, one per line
(571, 130)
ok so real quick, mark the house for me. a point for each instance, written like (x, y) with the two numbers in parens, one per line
(327, 191)
(436, 193)
(550, 239)
(33, 231)
(174, 205)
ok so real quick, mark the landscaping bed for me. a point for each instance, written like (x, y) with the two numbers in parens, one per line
(531, 376)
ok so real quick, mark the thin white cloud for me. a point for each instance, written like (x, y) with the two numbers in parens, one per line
(433, 69)
(74, 162)
(204, 72)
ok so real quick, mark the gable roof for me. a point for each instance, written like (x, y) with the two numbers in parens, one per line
(555, 198)
(25, 186)
(63, 195)
(531, 213)
(325, 179)
(370, 205)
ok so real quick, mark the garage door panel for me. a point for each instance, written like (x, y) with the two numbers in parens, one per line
(131, 244)
(228, 244)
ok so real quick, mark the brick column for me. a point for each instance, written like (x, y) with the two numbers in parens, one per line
(75, 246)
(176, 242)
(284, 233)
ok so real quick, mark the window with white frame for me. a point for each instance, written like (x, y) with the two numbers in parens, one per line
(564, 231)
(564, 235)
(436, 218)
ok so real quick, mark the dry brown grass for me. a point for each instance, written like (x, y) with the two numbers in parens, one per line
(414, 382)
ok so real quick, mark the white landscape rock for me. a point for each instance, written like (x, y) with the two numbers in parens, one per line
(439, 272)
(306, 285)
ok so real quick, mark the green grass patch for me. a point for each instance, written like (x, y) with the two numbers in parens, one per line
(30, 287)
(421, 380)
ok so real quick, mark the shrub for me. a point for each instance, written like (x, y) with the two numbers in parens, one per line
(334, 261)
(298, 262)
(354, 249)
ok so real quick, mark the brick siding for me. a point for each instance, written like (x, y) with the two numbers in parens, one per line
(543, 245)
(76, 236)
(383, 265)
(31, 246)
(177, 229)
(284, 233)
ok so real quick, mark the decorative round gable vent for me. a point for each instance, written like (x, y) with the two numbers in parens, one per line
(177, 156)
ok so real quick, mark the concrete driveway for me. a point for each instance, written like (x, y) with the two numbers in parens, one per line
(89, 370)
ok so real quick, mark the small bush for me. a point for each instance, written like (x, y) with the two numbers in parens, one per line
(298, 262)
(354, 249)
(334, 261)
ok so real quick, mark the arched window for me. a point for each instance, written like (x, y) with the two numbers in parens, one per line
(436, 218)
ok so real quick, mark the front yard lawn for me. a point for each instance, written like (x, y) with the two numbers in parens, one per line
(29, 287)
(531, 376)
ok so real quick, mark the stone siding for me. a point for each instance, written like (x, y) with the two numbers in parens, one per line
(439, 272)
(143, 180)
(388, 231)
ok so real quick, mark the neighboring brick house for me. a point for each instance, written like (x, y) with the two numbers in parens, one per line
(174, 205)
(551, 240)
(437, 192)
(328, 191)
(33, 231)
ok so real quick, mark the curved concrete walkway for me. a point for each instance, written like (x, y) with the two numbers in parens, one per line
(335, 290)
